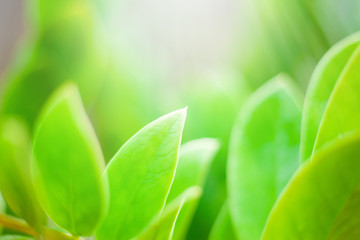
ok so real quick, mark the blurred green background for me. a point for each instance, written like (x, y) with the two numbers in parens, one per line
(137, 60)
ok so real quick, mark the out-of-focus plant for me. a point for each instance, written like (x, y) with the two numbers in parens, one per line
(213, 101)
(15, 180)
(275, 36)
(334, 81)
(63, 44)
(290, 36)
(278, 36)
(263, 154)
(271, 195)
(2, 208)
(338, 21)
(222, 227)
(143, 192)
(66, 44)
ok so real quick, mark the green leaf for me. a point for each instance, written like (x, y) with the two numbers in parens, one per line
(342, 114)
(2, 203)
(53, 14)
(52, 234)
(271, 39)
(2, 208)
(68, 164)
(322, 199)
(215, 100)
(140, 176)
(263, 154)
(69, 47)
(15, 180)
(223, 226)
(321, 86)
(194, 162)
(163, 227)
(15, 237)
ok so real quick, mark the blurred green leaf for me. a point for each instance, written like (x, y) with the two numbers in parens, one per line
(140, 176)
(215, 98)
(15, 237)
(68, 164)
(342, 114)
(2, 208)
(51, 234)
(15, 181)
(223, 226)
(321, 86)
(336, 18)
(66, 49)
(322, 199)
(51, 14)
(120, 109)
(194, 163)
(263, 154)
(271, 38)
(163, 226)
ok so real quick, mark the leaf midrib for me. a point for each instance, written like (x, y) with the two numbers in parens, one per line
(139, 182)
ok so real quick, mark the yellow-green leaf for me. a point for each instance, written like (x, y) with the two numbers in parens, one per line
(321, 86)
(15, 237)
(68, 164)
(65, 46)
(162, 227)
(15, 180)
(263, 154)
(322, 199)
(223, 226)
(140, 175)
(2, 208)
(342, 114)
(194, 162)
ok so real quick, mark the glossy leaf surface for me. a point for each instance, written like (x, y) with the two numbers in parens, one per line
(162, 227)
(140, 176)
(322, 199)
(320, 89)
(263, 154)
(68, 164)
(194, 162)
(223, 226)
(15, 181)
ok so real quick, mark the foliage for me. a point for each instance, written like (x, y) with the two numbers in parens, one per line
(62, 178)
(80, 195)
(263, 154)
(270, 196)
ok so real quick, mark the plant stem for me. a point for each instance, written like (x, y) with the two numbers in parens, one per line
(17, 224)
(21, 226)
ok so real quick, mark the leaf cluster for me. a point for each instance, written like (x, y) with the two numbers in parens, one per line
(293, 171)
(59, 186)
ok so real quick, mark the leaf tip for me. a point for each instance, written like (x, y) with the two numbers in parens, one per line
(179, 114)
